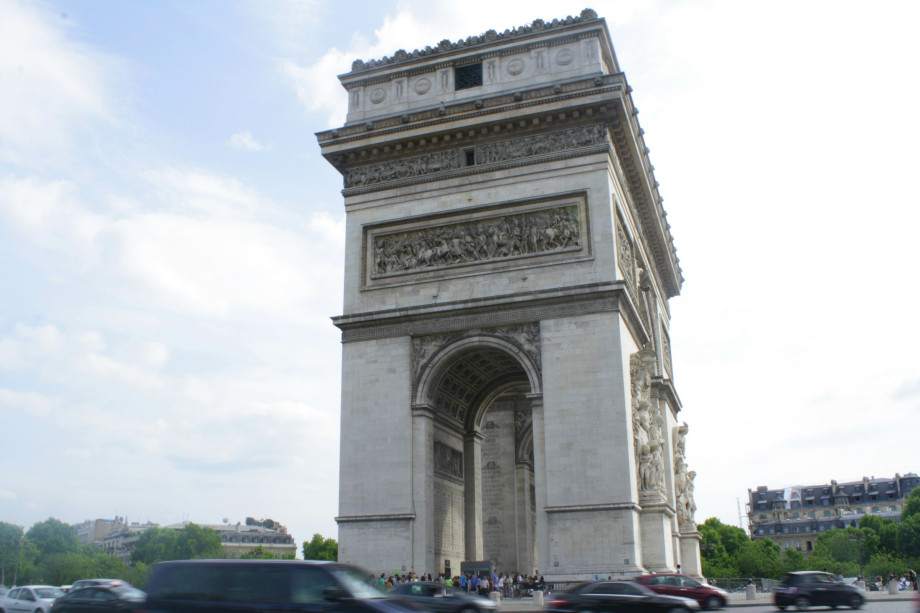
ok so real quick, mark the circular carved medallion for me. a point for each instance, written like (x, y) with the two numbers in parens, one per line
(515, 67)
(422, 86)
(378, 95)
(565, 57)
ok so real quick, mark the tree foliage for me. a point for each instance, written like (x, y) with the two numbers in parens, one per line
(10, 542)
(319, 548)
(191, 542)
(53, 536)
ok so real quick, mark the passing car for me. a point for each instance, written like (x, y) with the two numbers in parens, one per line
(121, 598)
(30, 599)
(675, 584)
(91, 582)
(804, 589)
(618, 597)
(434, 596)
(257, 586)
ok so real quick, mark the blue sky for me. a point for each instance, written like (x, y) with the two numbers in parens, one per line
(172, 243)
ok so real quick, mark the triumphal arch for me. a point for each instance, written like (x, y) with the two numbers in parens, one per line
(507, 385)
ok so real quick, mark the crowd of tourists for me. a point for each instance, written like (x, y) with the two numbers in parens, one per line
(509, 585)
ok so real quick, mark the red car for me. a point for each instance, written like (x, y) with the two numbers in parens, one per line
(674, 584)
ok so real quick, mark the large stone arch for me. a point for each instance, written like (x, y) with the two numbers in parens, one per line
(476, 389)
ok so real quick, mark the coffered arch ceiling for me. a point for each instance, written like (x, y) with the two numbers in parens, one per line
(470, 377)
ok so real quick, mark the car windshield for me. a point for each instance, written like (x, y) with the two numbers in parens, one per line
(49, 592)
(129, 593)
(359, 583)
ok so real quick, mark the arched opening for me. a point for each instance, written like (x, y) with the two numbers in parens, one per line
(479, 390)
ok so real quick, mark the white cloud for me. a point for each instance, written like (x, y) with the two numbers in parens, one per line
(52, 84)
(246, 142)
(32, 403)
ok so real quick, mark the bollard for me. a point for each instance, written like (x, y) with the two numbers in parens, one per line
(861, 585)
(893, 587)
(496, 596)
(751, 591)
(538, 597)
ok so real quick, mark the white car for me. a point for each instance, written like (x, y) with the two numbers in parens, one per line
(30, 599)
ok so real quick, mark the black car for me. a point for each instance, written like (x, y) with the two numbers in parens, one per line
(805, 589)
(434, 596)
(618, 596)
(119, 598)
(257, 586)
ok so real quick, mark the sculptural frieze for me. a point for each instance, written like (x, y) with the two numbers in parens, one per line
(540, 144)
(484, 240)
(625, 258)
(647, 421)
(448, 461)
(404, 168)
(489, 153)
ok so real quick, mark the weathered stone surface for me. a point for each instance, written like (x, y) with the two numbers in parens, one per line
(506, 370)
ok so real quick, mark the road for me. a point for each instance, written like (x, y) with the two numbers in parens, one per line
(871, 606)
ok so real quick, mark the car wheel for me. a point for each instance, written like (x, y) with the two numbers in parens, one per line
(802, 603)
(856, 601)
(712, 602)
(469, 610)
(679, 610)
(781, 607)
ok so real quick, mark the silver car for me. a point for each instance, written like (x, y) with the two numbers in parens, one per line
(30, 599)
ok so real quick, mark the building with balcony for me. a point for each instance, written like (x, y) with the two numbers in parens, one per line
(238, 539)
(796, 516)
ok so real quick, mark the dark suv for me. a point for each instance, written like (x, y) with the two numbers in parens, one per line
(804, 589)
(253, 586)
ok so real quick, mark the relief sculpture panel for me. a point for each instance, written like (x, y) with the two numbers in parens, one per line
(487, 239)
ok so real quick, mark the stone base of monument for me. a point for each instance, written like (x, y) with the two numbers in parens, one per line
(538, 598)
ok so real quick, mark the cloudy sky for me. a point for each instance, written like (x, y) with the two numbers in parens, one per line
(171, 242)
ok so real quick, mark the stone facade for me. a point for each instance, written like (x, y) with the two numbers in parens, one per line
(794, 517)
(507, 388)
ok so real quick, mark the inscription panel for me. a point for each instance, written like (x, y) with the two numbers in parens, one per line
(545, 230)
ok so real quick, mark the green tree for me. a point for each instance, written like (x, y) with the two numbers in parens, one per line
(909, 535)
(138, 574)
(911, 505)
(719, 546)
(191, 542)
(793, 560)
(259, 553)
(759, 558)
(883, 564)
(10, 542)
(319, 548)
(847, 545)
(53, 536)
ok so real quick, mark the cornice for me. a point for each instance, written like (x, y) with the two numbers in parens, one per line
(349, 519)
(483, 312)
(593, 508)
(664, 388)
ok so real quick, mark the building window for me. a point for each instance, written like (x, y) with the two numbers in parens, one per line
(468, 76)
(807, 545)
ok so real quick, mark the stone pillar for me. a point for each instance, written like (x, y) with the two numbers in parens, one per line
(472, 512)
(524, 519)
(423, 545)
(539, 454)
(690, 553)
(655, 524)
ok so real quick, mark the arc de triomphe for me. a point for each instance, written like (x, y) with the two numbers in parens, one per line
(507, 385)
